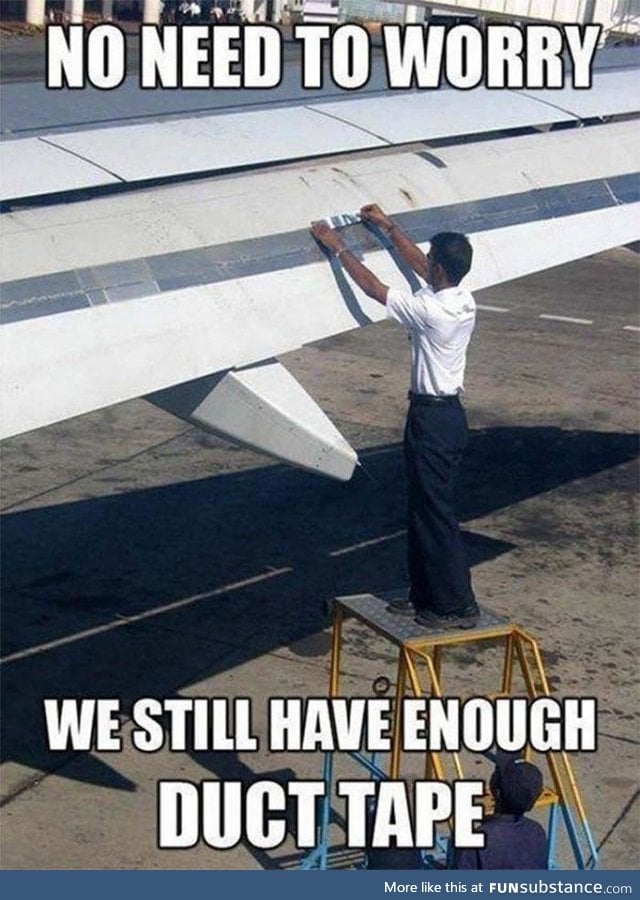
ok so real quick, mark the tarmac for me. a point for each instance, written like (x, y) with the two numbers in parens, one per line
(143, 558)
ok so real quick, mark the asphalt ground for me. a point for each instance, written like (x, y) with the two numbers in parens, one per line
(142, 557)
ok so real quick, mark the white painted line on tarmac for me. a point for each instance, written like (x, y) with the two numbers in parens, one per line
(566, 319)
(631, 327)
(124, 620)
(371, 543)
(492, 308)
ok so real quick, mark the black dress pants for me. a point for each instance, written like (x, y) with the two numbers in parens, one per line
(434, 440)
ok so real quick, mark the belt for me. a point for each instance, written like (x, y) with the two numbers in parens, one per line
(433, 399)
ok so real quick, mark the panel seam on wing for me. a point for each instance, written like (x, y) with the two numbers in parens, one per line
(91, 162)
(561, 109)
(361, 128)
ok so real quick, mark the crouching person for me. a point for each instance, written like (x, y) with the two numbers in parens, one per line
(512, 841)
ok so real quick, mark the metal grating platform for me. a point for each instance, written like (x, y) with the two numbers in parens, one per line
(372, 609)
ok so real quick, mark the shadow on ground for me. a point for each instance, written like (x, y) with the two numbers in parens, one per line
(221, 570)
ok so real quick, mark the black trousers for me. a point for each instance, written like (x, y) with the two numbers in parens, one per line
(434, 440)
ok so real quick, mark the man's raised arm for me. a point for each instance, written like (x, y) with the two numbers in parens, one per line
(409, 251)
(362, 276)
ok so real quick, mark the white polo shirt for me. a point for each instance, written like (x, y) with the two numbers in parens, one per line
(441, 324)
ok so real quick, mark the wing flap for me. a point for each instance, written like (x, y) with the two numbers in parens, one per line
(32, 167)
(611, 94)
(430, 116)
(231, 141)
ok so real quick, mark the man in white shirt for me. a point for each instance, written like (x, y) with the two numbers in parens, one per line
(441, 318)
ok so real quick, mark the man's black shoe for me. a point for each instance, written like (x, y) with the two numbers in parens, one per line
(464, 619)
(402, 607)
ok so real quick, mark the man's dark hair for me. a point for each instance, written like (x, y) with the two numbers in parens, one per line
(517, 783)
(453, 252)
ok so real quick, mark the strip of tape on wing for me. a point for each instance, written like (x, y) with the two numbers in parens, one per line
(343, 220)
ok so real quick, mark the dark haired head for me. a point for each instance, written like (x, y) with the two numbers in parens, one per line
(515, 783)
(453, 252)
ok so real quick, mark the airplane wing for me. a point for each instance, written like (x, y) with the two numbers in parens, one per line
(173, 259)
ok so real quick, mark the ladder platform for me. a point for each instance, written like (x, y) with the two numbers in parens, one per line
(401, 630)
(548, 797)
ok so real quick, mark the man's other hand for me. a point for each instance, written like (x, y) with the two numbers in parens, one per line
(377, 216)
(327, 236)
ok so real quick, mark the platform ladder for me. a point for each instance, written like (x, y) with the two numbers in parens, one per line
(419, 674)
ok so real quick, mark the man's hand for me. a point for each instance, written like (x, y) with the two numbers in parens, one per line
(409, 251)
(327, 236)
(377, 216)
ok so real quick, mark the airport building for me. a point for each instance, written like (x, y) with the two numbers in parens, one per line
(619, 18)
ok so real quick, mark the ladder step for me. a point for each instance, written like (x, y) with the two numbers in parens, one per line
(547, 798)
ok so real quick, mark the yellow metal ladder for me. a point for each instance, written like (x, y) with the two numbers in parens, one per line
(419, 674)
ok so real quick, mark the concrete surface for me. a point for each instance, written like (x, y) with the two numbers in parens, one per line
(143, 558)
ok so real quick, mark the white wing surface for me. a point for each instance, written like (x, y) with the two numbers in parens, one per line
(187, 288)
(59, 163)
